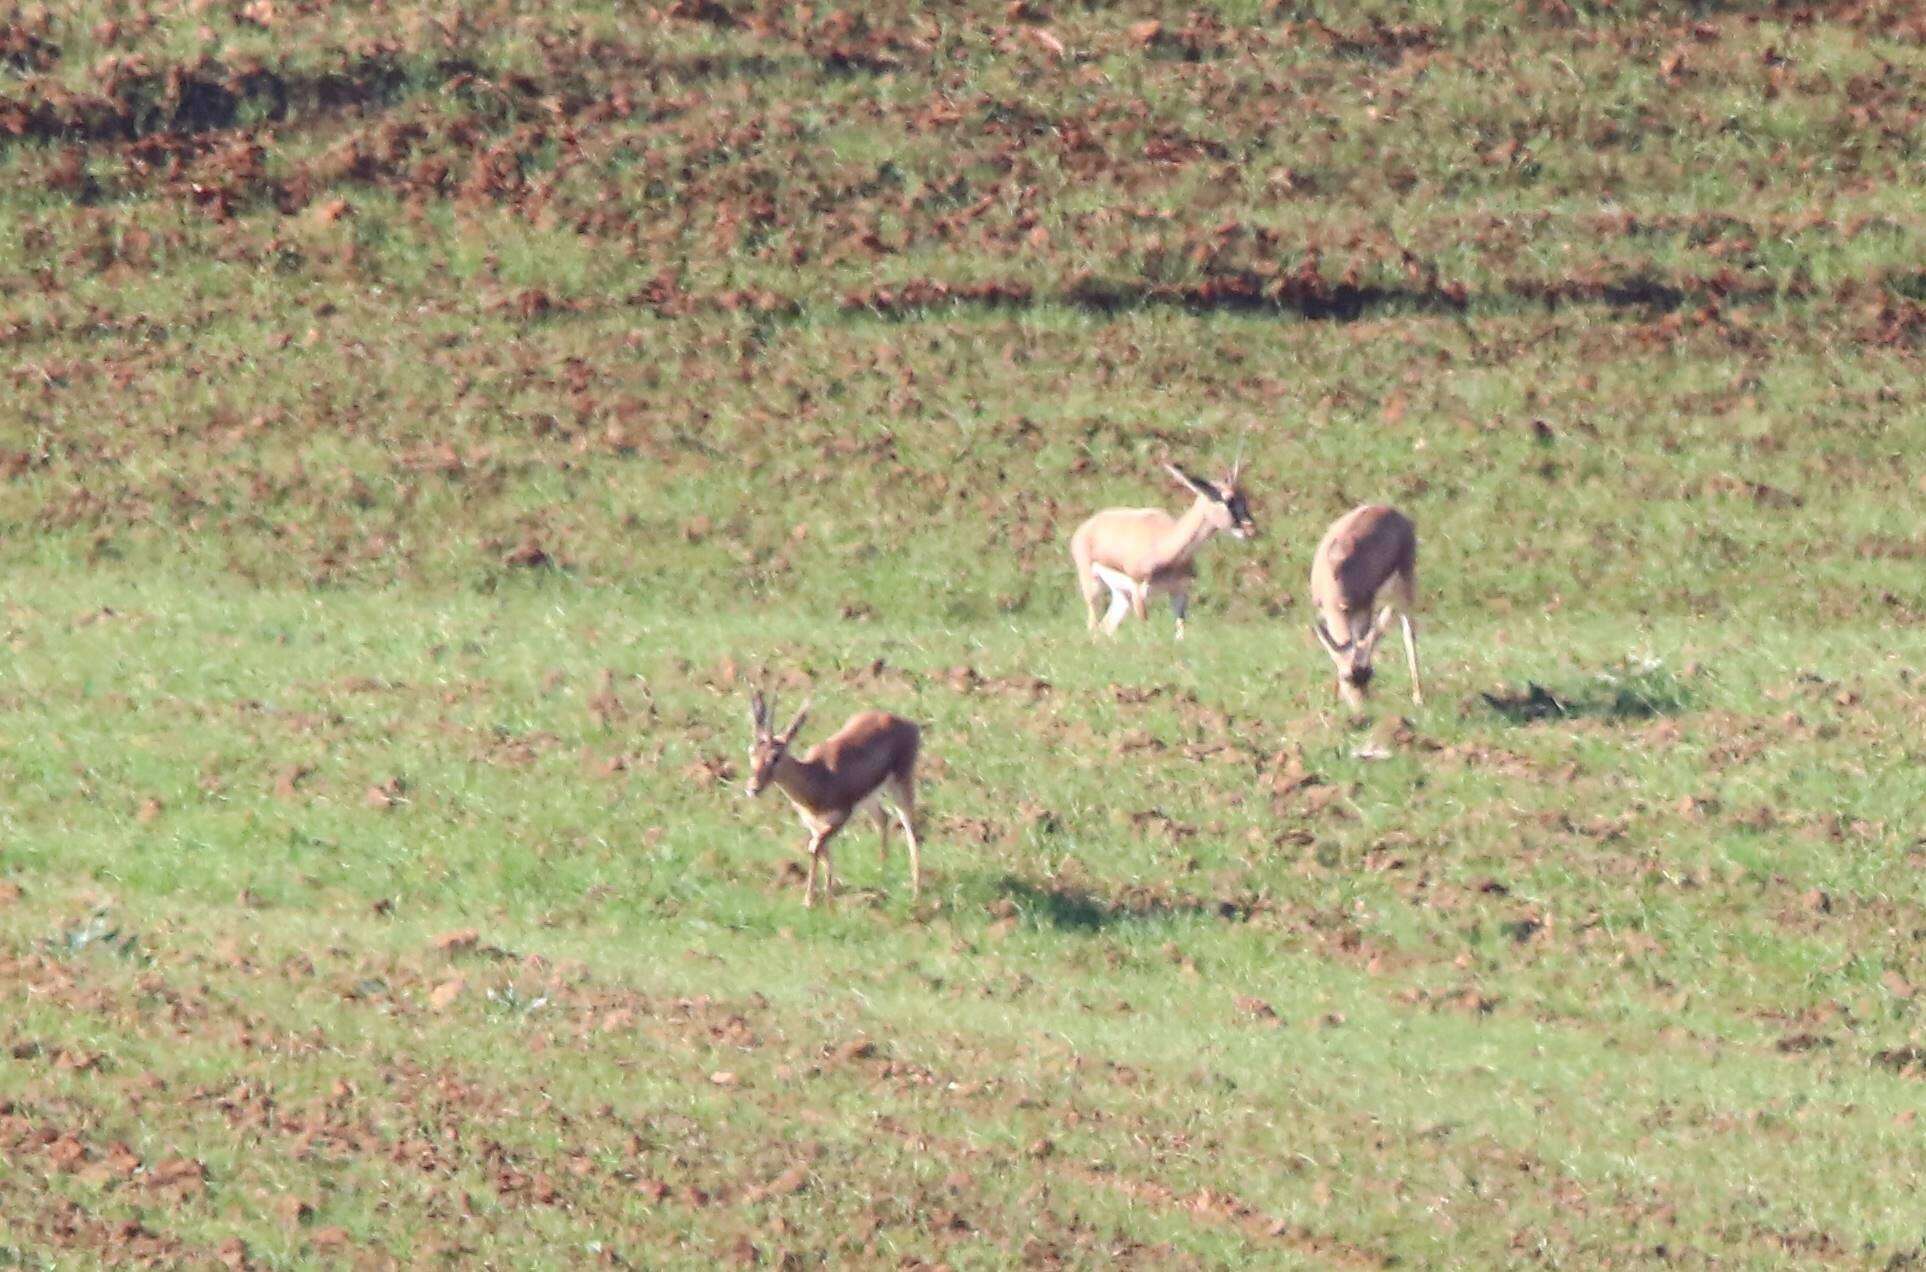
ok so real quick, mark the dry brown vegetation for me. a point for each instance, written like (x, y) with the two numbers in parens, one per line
(418, 424)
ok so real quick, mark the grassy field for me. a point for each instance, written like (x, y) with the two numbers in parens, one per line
(420, 423)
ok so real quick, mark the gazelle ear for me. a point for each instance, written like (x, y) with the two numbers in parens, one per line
(1201, 489)
(789, 733)
(1331, 647)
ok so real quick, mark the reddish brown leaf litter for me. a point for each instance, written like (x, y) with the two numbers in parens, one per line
(459, 941)
(331, 1238)
(857, 1048)
(74, 1060)
(791, 1181)
(386, 794)
(528, 555)
(1226, 1209)
(179, 1176)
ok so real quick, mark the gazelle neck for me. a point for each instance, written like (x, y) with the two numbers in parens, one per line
(801, 780)
(1181, 542)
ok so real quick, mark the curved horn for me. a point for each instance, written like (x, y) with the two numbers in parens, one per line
(1190, 483)
(758, 710)
(797, 723)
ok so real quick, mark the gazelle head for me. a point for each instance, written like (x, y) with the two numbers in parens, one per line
(767, 747)
(1353, 659)
(1224, 506)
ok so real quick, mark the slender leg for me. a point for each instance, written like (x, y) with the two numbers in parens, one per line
(1119, 606)
(819, 856)
(882, 832)
(1140, 601)
(1382, 623)
(1180, 605)
(1411, 657)
(906, 813)
(809, 887)
(829, 873)
(1093, 590)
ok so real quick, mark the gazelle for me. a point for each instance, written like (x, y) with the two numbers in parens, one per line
(869, 762)
(1138, 553)
(1368, 555)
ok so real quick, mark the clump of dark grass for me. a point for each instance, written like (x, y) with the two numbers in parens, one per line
(1635, 689)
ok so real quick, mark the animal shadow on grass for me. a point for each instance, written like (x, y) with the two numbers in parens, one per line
(1069, 908)
(1635, 691)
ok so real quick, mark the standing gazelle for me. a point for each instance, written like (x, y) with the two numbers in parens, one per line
(1138, 553)
(868, 762)
(1369, 554)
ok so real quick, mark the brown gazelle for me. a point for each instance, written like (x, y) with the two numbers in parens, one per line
(1138, 553)
(1370, 554)
(869, 762)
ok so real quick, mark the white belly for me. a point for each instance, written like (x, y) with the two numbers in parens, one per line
(815, 824)
(1116, 580)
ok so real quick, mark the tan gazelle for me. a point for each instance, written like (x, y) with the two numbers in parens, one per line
(868, 763)
(1138, 553)
(1369, 555)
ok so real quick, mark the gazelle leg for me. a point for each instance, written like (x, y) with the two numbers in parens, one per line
(1411, 657)
(829, 872)
(906, 813)
(1180, 605)
(1093, 590)
(1140, 601)
(1119, 606)
(882, 832)
(819, 855)
(809, 886)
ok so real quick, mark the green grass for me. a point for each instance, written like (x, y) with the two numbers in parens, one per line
(395, 517)
(1508, 946)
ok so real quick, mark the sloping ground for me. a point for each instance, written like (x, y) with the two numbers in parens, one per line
(417, 427)
(402, 929)
(354, 279)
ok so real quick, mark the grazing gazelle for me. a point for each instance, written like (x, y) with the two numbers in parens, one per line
(868, 762)
(1369, 554)
(1138, 553)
